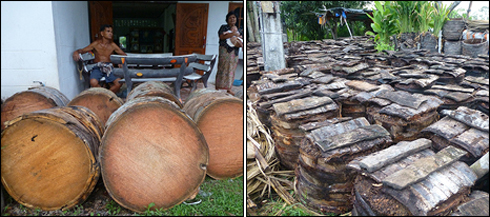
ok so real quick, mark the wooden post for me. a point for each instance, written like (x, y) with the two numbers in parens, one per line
(251, 35)
(468, 12)
(271, 32)
(255, 24)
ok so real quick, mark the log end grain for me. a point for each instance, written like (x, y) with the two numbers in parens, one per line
(46, 165)
(152, 153)
(221, 123)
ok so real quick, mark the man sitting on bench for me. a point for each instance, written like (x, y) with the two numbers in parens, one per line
(103, 48)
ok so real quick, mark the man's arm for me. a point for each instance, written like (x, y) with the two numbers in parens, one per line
(90, 47)
(118, 50)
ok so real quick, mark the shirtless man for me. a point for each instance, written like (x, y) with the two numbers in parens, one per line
(103, 48)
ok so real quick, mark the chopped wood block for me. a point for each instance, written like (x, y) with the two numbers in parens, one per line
(425, 196)
(475, 207)
(402, 98)
(357, 135)
(358, 67)
(458, 96)
(423, 167)
(316, 111)
(362, 85)
(394, 153)
(480, 167)
(452, 87)
(271, 87)
(300, 104)
(471, 117)
(335, 129)
(408, 113)
(474, 141)
(479, 80)
(447, 128)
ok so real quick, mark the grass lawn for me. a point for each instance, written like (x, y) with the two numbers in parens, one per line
(219, 198)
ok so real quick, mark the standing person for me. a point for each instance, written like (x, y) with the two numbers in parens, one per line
(228, 56)
(103, 48)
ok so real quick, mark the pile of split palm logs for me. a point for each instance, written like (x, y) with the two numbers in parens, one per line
(339, 101)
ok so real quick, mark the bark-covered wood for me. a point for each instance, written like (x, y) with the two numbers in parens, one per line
(220, 118)
(50, 157)
(33, 99)
(101, 101)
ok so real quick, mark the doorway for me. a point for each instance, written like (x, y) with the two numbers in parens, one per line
(139, 26)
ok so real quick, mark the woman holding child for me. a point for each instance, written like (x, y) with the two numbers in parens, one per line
(230, 40)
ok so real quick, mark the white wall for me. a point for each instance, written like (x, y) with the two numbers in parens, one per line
(28, 49)
(216, 17)
(71, 25)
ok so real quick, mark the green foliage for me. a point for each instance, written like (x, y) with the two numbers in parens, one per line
(78, 210)
(384, 24)
(405, 12)
(440, 16)
(219, 198)
(424, 16)
(113, 208)
(302, 24)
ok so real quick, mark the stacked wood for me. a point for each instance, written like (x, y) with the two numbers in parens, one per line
(464, 128)
(410, 179)
(101, 101)
(323, 181)
(263, 169)
(266, 92)
(478, 205)
(288, 116)
(255, 62)
(33, 99)
(152, 152)
(219, 116)
(404, 91)
(50, 157)
(403, 114)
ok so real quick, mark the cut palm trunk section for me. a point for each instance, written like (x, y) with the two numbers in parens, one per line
(49, 157)
(152, 152)
(101, 101)
(154, 88)
(34, 99)
(220, 118)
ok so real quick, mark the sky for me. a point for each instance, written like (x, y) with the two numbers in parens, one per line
(464, 4)
(475, 6)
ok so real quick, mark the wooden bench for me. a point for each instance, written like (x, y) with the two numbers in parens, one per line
(174, 74)
(207, 68)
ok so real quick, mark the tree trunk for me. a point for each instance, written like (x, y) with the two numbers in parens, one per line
(251, 35)
(255, 23)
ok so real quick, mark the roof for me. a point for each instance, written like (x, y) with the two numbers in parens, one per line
(350, 13)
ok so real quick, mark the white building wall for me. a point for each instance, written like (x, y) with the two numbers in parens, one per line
(28, 48)
(71, 24)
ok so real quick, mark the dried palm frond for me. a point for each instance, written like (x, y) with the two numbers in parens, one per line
(263, 174)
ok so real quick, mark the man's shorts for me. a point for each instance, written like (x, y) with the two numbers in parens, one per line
(97, 74)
